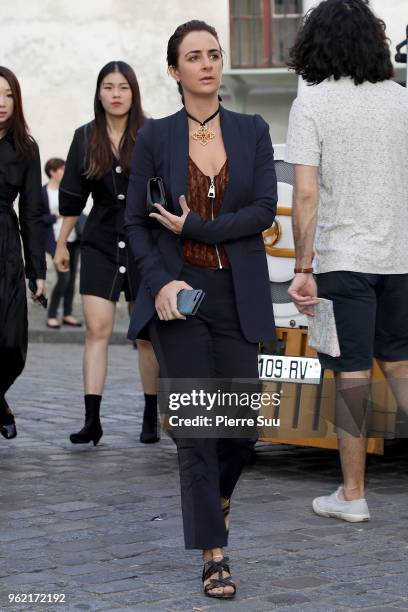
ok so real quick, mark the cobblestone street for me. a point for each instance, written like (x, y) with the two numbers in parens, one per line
(79, 520)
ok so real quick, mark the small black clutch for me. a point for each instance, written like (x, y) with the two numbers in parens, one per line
(155, 194)
(189, 300)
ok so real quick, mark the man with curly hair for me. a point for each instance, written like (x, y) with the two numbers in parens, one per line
(348, 139)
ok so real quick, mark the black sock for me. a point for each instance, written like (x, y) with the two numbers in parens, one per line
(92, 403)
(150, 402)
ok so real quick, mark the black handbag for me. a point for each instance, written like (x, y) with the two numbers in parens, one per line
(155, 194)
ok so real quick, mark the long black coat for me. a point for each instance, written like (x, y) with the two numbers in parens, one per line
(18, 178)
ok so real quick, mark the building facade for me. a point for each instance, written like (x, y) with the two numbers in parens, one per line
(56, 48)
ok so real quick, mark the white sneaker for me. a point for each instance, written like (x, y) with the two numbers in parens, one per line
(331, 506)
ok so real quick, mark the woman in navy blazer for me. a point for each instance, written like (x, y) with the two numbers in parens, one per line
(220, 197)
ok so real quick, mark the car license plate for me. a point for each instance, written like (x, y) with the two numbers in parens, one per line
(285, 368)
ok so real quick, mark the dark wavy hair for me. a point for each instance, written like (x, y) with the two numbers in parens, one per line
(177, 38)
(342, 38)
(24, 143)
(100, 149)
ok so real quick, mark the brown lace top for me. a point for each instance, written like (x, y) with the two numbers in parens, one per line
(198, 253)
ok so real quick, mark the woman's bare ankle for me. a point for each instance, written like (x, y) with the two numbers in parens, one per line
(215, 554)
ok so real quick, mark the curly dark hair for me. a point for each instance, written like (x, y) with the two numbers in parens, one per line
(342, 38)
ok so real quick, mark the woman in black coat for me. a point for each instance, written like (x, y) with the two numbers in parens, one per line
(98, 164)
(218, 171)
(20, 174)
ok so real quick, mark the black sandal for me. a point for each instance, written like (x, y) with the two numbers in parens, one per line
(226, 507)
(210, 568)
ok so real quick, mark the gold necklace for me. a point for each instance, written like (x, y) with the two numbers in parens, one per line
(203, 135)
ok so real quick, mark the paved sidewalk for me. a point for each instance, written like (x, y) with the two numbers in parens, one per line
(79, 520)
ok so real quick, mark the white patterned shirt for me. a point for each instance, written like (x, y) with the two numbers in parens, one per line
(358, 137)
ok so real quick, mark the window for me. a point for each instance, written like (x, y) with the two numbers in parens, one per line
(262, 31)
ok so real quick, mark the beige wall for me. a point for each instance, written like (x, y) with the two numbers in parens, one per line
(56, 48)
(395, 15)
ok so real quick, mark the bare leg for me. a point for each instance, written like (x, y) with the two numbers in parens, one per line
(148, 367)
(352, 444)
(396, 373)
(148, 364)
(149, 373)
(99, 320)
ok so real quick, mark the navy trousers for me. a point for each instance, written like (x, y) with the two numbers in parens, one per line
(208, 345)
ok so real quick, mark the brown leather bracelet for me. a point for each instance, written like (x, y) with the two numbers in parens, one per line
(303, 270)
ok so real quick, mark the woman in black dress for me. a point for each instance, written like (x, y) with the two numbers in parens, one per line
(20, 174)
(98, 163)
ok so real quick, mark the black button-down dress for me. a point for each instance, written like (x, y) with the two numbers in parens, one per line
(107, 267)
(18, 177)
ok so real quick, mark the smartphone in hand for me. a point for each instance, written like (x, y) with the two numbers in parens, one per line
(189, 300)
(32, 285)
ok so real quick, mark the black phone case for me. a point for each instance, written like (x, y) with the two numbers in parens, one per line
(155, 194)
(32, 285)
(189, 300)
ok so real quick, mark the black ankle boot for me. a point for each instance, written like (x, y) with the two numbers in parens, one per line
(149, 427)
(7, 423)
(92, 430)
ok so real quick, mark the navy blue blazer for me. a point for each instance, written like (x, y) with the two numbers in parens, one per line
(248, 208)
(49, 220)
